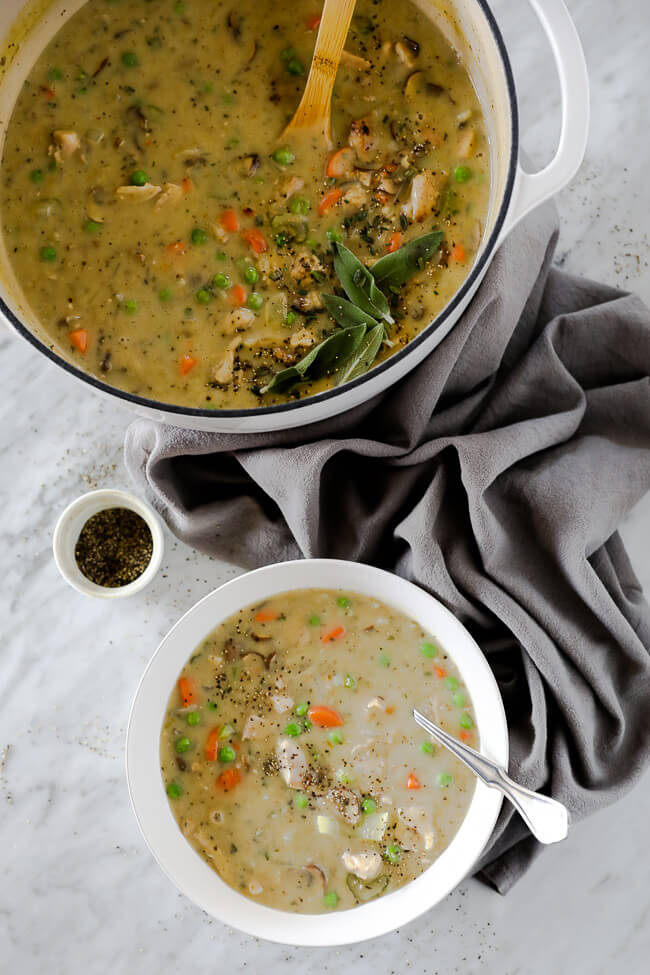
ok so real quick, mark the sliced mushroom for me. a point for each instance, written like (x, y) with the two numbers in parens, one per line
(405, 53)
(292, 762)
(250, 164)
(346, 803)
(362, 140)
(315, 873)
(354, 61)
(235, 22)
(364, 864)
(172, 193)
(465, 145)
(138, 194)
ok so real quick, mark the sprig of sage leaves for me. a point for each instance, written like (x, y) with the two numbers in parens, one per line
(363, 315)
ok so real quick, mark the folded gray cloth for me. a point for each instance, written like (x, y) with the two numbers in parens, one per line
(495, 476)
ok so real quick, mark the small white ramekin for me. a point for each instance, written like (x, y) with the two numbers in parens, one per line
(182, 863)
(68, 529)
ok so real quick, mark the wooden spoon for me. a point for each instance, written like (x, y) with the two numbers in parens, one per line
(313, 112)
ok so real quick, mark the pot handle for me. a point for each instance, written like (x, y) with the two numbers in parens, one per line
(531, 189)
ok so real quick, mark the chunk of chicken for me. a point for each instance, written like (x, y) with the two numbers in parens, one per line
(253, 727)
(66, 143)
(355, 195)
(172, 193)
(292, 762)
(138, 194)
(465, 145)
(346, 803)
(290, 188)
(282, 703)
(310, 302)
(365, 864)
(419, 820)
(362, 140)
(425, 190)
(303, 265)
(303, 337)
(223, 372)
(238, 319)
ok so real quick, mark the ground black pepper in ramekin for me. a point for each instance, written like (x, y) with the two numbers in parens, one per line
(114, 547)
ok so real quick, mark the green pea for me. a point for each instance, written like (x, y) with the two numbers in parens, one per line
(302, 708)
(383, 660)
(334, 236)
(92, 227)
(182, 745)
(193, 718)
(174, 791)
(445, 779)
(368, 804)
(139, 177)
(221, 280)
(130, 307)
(293, 729)
(452, 683)
(314, 620)
(300, 205)
(36, 175)
(226, 754)
(459, 699)
(393, 853)
(427, 748)
(203, 296)
(199, 235)
(55, 74)
(300, 801)
(462, 174)
(165, 294)
(349, 681)
(428, 650)
(255, 301)
(48, 253)
(335, 737)
(343, 602)
(331, 899)
(466, 720)
(130, 59)
(283, 157)
(295, 67)
(250, 275)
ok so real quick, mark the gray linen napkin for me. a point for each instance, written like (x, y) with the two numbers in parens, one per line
(495, 476)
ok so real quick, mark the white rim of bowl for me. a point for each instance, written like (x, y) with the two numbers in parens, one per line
(72, 520)
(183, 865)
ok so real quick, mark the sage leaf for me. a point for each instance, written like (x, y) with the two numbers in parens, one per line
(345, 313)
(394, 270)
(359, 284)
(325, 359)
(361, 360)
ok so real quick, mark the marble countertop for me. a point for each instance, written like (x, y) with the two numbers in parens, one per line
(80, 892)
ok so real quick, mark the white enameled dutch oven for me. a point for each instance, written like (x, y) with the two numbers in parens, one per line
(182, 863)
(26, 26)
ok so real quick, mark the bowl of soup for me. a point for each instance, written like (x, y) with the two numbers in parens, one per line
(162, 242)
(274, 766)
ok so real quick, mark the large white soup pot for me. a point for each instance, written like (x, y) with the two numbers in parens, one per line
(26, 26)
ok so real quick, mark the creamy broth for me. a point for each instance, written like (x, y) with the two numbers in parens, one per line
(169, 244)
(290, 756)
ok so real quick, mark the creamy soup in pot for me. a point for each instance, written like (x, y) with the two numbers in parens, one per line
(291, 759)
(173, 243)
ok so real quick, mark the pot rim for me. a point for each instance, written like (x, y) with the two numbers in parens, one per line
(280, 408)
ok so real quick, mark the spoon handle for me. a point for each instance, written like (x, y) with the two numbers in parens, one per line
(547, 819)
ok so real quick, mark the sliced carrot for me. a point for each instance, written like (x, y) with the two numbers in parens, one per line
(266, 616)
(390, 709)
(313, 21)
(457, 253)
(229, 221)
(333, 634)
(324, 717)
(255, 240)
(341, 163)
(79, 338)
(413, 782)
(229, 778)
(440, 672)
(212, 745)
(177, 249)
(238, 295)
(329, 200)
(187, 362)
(186, 691)
(394, 242)
(187, 185)
(465, 735)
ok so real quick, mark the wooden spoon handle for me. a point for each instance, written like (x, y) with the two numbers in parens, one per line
(314, 108)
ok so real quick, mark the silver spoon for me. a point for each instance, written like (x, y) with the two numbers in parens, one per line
(547, 819)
